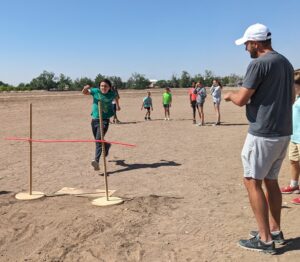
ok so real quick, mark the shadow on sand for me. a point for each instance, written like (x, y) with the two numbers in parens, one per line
(234, 124)
(291, 244)
(128, 167)
(5, 192)
(126, 123)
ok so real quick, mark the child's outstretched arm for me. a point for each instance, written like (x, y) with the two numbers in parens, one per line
(85, 90)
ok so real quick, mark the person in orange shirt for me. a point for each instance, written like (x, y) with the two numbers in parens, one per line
(193, 98)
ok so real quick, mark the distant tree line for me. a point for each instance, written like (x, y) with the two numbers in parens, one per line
(48, 81)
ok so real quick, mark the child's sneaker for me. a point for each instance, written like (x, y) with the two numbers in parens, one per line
(145, 118)
(149, 118)
(95, 165)
(289, 190)
(296, 201)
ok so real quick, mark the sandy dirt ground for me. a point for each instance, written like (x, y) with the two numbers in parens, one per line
(185, 199)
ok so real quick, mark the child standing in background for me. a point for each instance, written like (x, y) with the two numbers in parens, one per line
(215, 91)
(167, 101)
(294, 147)
(200, 91)
(147, 104)
(193, 101)
(115, 117)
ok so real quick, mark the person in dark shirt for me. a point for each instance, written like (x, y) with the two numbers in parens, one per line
(267, 92)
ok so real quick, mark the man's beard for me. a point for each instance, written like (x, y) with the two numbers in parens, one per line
(253, 54)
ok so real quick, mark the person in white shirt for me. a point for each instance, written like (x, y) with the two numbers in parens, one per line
(216, 91)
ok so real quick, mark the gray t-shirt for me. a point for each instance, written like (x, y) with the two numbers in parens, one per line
(270, 110)
(201, 94)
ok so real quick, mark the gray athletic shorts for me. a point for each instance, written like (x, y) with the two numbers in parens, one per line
(262, 156)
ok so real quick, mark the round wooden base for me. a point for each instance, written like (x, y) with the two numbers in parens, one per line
(102, 201)
(27, 196)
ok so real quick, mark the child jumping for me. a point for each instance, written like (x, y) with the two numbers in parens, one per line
(147, 104)
(106, 96)
(167, 101)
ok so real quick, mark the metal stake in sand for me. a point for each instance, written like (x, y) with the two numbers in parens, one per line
(107, 200)
(31, 194)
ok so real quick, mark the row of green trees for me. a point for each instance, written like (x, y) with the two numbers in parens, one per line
(48, 81)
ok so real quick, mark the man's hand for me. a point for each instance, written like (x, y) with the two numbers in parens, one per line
(241, 97)
(227, 97)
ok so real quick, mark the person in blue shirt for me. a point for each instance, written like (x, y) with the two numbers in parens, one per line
(294, 147)
(147, 104)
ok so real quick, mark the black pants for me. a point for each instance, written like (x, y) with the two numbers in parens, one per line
(97, 135)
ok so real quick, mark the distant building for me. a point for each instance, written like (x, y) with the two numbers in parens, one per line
(153, 82)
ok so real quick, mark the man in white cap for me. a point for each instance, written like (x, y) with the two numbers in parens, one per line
(267, 92)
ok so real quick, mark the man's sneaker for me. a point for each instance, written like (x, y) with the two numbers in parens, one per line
(95, 165)
(296, 201)
(277, 238)
(290, 189)
(256, 244)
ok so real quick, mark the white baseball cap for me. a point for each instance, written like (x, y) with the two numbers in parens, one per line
(256, 32)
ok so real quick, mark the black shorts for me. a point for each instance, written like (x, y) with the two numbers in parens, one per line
(166, 105)
(194, 104)
(148, 108)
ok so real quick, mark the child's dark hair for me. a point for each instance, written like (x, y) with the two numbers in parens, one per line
(219, 83)
(106, 81)
(297, 76)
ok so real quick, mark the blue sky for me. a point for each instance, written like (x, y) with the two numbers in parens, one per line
(157, 38)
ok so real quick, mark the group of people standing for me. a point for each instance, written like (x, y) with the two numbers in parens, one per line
(197, 95)
(166, 102)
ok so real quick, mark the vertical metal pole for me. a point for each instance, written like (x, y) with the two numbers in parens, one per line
(30, 152)
(103, 148)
